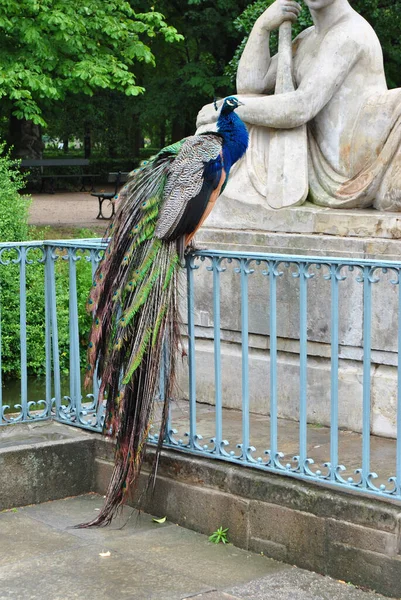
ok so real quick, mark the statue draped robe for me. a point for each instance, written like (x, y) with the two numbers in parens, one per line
(378, 184)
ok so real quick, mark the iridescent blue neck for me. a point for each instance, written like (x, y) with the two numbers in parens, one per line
(235, 138)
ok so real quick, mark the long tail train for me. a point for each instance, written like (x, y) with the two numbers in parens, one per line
(134, 298)
(135, 306)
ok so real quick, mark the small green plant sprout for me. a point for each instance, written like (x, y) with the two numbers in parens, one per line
(220, 535)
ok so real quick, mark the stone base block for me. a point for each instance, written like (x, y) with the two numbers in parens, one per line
(346, 536)
(350, 378)
(54, 463)
(305, 230)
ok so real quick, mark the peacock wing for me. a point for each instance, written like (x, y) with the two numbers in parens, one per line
(130, 247)
(195, 169)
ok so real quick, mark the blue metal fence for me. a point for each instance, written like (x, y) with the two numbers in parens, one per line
(366, 273)
(35, 263)
(40, 316)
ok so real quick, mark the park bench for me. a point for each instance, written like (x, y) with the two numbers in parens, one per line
(40, 164)
(117, 179)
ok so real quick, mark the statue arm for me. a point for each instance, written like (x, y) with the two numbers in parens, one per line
(256, 69)
(327, 72)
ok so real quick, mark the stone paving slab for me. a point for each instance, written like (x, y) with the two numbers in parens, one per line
(43, 558)
(299, 585)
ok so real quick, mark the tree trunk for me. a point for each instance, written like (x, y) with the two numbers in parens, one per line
(136, 138)
(87, 141)
(178, 131)
(65, 145)
(26, 138)
(162, 139)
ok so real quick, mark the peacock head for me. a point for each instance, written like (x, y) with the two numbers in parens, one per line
(230, 103)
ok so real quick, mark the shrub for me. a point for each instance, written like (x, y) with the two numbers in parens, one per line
(14, 228)
(13, 206)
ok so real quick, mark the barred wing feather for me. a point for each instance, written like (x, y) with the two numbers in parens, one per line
(185, 180)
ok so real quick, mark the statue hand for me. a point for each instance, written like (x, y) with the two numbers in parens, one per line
(277, 13)
(208, 114)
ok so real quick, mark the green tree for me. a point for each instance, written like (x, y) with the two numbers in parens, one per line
(189, 74)
(53, 48)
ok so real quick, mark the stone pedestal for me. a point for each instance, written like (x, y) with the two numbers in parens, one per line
(313, 231)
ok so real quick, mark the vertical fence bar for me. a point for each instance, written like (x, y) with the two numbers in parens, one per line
(75, 367)
(217, 356)
(51, 279)
(23, 337)
(1, 366)
(367, 343)
(245, 359)
(191, 353)
(303, 379)
(334, 374)
(398, 447)
(273, 362)
(48, 333)
(95, 382)
(164, 367)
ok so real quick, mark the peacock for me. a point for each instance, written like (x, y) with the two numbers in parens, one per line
(135, 292)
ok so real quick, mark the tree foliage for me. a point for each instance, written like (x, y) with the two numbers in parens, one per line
(191, 73)
(52, 48)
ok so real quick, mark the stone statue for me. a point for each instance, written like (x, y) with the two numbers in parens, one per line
(353, 120)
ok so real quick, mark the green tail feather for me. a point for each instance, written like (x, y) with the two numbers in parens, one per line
(135, 311)
(137, 359)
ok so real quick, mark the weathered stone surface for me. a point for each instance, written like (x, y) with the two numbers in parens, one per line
(45, 559)
(368, 233)
(23, 534)
(384, 401)
(294, 520)
(367, 539)
(353, 148)
(186, 506)
(384, 323)
(371, 569)
(318, 372)
(300, 537)
(83, 573)
(314, 499)
(36, 472)
(319, 293)
(309, 220)
(214, 596)
(298, 585)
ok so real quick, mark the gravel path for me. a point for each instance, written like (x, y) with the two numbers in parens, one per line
(66, 210)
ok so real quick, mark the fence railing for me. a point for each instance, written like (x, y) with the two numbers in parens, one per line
(292, 361)
(43, 325)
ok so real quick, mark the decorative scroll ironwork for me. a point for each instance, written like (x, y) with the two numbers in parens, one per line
(332, 270)
(80, 409)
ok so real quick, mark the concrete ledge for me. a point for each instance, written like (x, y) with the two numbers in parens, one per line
(346, 536)
(307, 219)
(37, 471)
